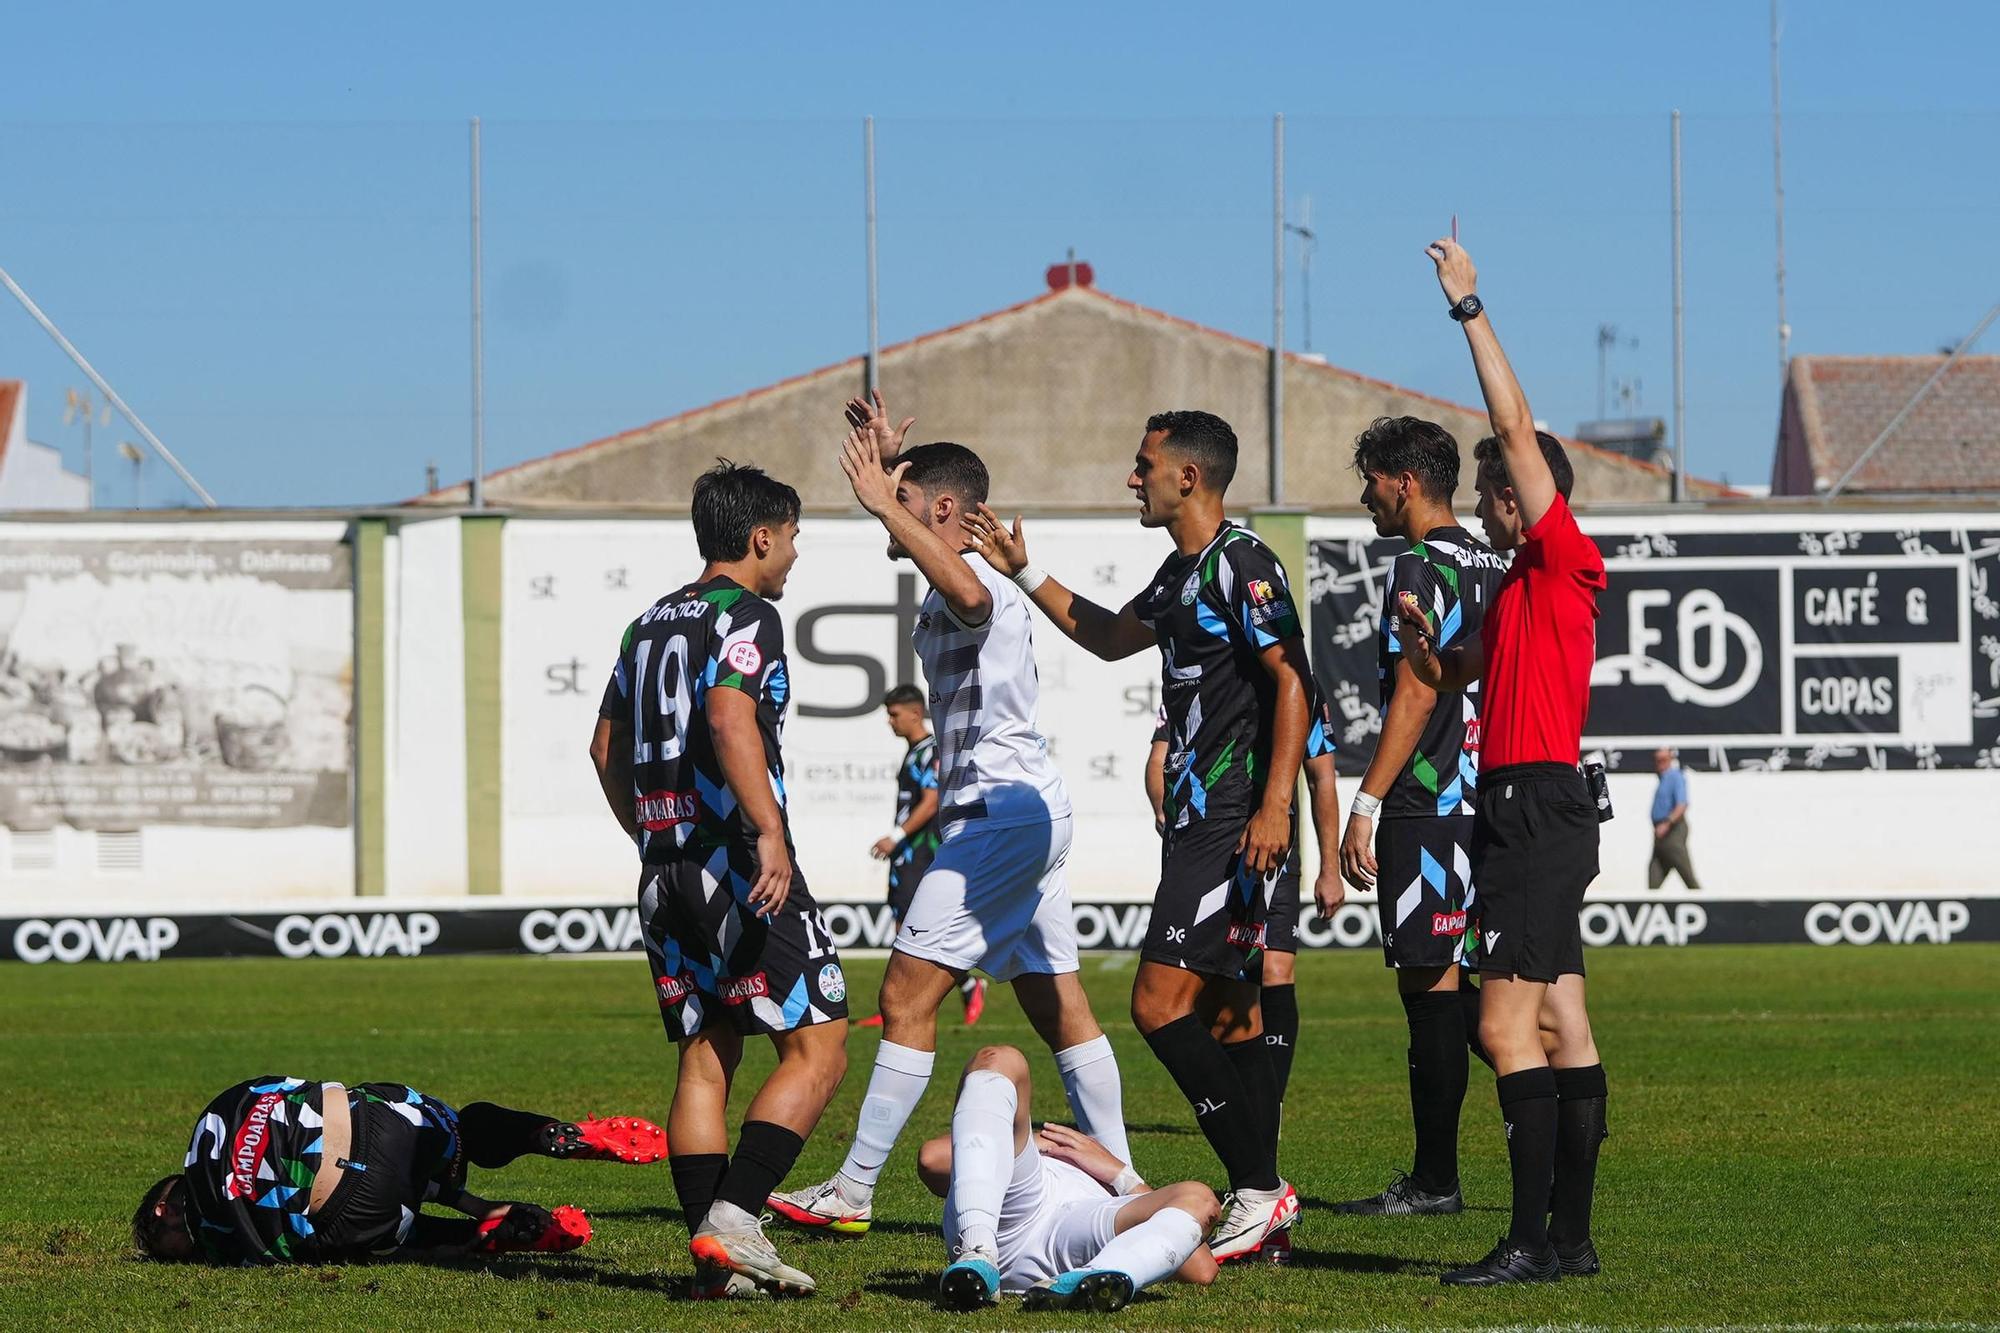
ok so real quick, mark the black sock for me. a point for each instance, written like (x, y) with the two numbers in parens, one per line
(495, 1135)
(1528, 1107)
(1254, 1066)
(696, 1177)
(1281, 1031)
(1580, 1132)
(1437, 1085)
(764, 1156)
(1468, 999)
(1208, 1079)
(440, 1233)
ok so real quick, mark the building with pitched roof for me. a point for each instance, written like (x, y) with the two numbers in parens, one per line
(1054, 393)
(1835, 407)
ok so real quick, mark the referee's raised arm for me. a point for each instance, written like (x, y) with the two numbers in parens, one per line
(1513, 424)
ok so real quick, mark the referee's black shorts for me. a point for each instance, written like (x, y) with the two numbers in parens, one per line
(1534, 852)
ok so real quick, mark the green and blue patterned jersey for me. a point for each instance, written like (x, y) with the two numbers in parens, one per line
(1454, 577)
(1214, 612)
(707, 636)
(918, 774)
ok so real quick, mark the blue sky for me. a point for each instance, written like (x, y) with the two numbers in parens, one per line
(254, 222)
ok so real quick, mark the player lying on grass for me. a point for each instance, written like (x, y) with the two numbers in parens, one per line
(286, 1170)
(1051, 1212)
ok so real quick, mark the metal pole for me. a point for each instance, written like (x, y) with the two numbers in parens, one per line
(874, 296)
(1964, 346)
(1278, 309)
(1680, 334)
(478, 340)
(110, 394)
(1778, 185)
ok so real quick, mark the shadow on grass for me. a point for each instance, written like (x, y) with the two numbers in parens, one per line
(1350, 1261)
(1316, 1203)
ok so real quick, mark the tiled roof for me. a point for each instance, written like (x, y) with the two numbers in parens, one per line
(1950, 442)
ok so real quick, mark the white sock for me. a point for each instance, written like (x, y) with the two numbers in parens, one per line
(1096, 1097)
(1154, 1249)
(982, 1156)
(894, 1089)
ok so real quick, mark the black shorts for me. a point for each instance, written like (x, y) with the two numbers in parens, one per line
(1210, 910)
(1534, 852)
(373, 1207)
(904, 876)
(1423, 885)
(1281, 909)
(777, 974)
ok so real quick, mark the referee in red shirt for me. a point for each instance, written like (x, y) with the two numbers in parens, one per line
(1534, 842)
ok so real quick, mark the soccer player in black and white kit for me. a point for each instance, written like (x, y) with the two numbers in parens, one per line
(1410, 833)
(687, 751)
(996, 896)
(1236, 685)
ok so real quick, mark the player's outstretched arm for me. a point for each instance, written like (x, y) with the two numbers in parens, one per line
(1454, 668)
(611, 756)
(1513, 424)
(732, 723)
(1107, 634)
(861, 460)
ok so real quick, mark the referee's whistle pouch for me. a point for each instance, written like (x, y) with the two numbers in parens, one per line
(1600, 790)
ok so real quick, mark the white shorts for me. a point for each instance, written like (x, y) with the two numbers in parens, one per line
(1054, 1218)
(996, 899)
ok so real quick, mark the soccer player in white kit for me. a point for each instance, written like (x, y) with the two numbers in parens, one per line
(995, 897)
(1071, 1226)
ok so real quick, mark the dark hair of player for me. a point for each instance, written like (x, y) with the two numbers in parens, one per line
(1392, 446)
(150, 1232)
(945, 468)
(1487, 451)
(1203, 438)
(903, 694)
(731, 501)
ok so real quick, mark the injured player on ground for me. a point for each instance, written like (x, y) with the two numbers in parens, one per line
(1050, 1212)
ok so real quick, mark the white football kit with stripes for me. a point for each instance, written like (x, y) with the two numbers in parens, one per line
(995, 897)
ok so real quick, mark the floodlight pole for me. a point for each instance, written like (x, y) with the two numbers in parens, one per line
(1278, 309)
(1680, 333)
(478, 492)
(874, 379)
(104, 387)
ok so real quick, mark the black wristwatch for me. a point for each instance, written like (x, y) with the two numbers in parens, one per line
(1468, 307)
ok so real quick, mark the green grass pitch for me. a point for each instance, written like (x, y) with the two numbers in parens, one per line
(1799, 1136)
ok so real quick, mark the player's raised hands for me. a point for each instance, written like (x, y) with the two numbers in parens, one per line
(1454, 268)
(870, 415)
(1004, 550)
(861, 460)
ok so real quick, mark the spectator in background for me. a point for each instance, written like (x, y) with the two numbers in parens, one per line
(1670, 825)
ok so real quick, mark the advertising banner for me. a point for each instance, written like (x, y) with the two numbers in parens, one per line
(152, 676)
(573, 929)
(1746, 645)
(573, 586)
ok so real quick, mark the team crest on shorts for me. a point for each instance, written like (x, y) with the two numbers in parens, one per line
(833, 983)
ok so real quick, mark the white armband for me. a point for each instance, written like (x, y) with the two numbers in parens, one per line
(1364, 806)
(1029, 579)
(1127, 1182)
